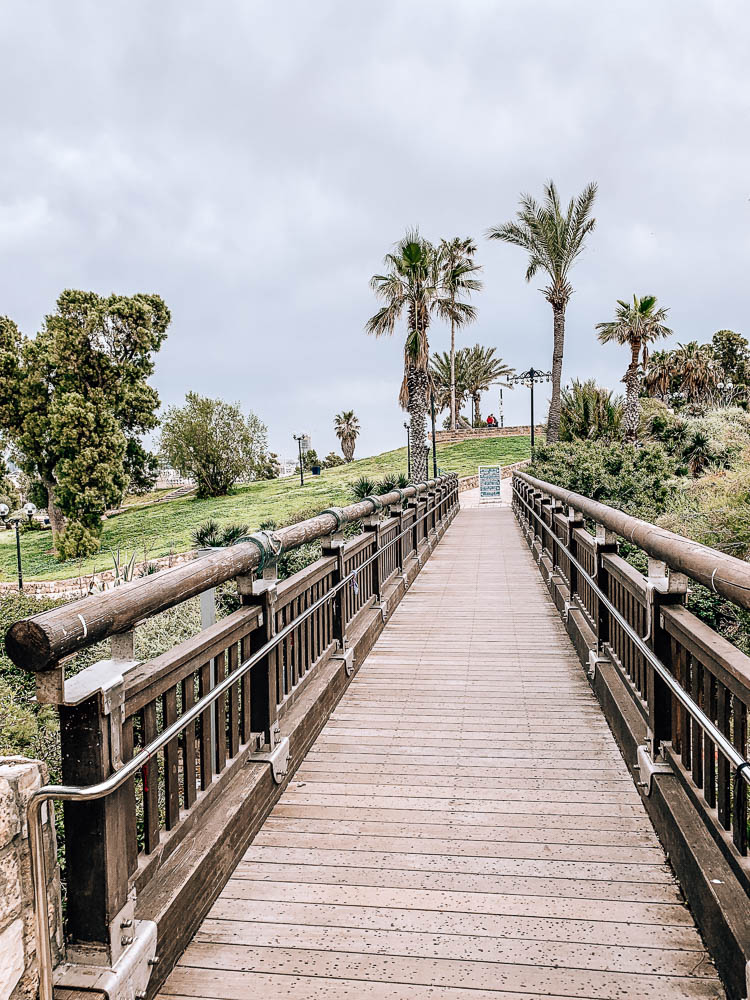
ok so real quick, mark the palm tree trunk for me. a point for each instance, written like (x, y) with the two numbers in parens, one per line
(558, 343)
(477, 400)
(632, 401)
(453, 375)
(416, 380)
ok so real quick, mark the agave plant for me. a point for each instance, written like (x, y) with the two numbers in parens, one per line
(124, 573)
(232, 532)
(402, 481)
(207, 535)
(387, 484)
(362, 487)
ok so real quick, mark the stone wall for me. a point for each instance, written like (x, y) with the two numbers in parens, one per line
(469, 433)
(19, 977)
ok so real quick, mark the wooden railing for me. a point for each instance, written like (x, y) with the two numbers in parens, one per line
(688, 686)
(110, 712)
(710, 669)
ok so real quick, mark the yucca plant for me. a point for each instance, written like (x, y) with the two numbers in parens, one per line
(402, 481)
(207, 535)
(387, 484)
(123, 573)
(232, 532)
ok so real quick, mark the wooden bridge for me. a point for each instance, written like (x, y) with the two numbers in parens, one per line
(428, 771)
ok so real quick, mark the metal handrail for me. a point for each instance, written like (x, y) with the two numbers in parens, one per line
(90, 793)
(735, 758)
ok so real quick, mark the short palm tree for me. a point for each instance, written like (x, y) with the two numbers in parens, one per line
(412, 282)
(458, 271)
(660, 370)
(346, 426)
(696, 370)
(589, 412)
(449, 380)
(636, 324)
(483, 369)
(553, 239)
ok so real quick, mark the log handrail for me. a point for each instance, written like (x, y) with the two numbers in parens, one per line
(39, 643)
(724, 574)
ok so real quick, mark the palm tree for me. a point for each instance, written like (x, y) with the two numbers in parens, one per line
(637, 325)
(553, 240)
(482, 370)
(457, 269)
(660, 370)
(590, 412)
(449, 380)
(413, 282)
(696, 370)
(346, 426)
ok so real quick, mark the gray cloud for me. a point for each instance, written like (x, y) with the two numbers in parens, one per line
(252, 163)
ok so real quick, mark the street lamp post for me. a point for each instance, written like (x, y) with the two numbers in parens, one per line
(408, 450)
(434, 445)
(298, 438)
(16, 523)
(530, 378)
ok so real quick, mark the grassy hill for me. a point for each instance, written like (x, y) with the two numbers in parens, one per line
(157, 530)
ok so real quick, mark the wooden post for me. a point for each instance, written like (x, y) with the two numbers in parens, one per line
(264, 687)
(664, 588)
(397, 510)
(605, 541)
(96, 833)
(333, 545)
(371, 525)
(575, 521)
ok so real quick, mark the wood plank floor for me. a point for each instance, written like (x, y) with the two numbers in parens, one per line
(464, 828)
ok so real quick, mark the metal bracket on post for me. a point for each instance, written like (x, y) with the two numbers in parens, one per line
(277, 756)
(595, 659)
(133, 954)
(347, 658)
(648, 767)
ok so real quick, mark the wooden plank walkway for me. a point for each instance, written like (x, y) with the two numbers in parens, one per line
(464, 828)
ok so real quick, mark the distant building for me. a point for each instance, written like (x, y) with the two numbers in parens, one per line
(169, 478)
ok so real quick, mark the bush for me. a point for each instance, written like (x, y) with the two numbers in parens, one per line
(77, 541)
(637, 480)
(210, 535)
(590, 412)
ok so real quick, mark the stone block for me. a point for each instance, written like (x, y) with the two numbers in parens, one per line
(11, 958)
(10, 884)
(9, 822)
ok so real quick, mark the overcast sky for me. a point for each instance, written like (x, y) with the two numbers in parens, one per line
(252, 162)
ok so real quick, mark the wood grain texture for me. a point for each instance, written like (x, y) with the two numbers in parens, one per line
(464, 827)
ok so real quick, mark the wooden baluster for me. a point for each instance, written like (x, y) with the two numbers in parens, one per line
(333, 546)
(696, 750)
(247, 727)
(150, 773)
(234, 702)
(373, 526)
(171, 761)
(131, 826)
(604, 542)
(221, 715)
(723, 791)
(206, 716)
(739, 794)
(709, 747)
(188, 744)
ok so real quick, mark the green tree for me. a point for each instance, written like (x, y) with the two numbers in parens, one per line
(213, 443)
(483, 369)
(74, 401)
(553, 239)
(589, 412)
(332, 459)
(458, 268)
(732, 354)
(637, 325)
(346, 426)
(412, 283)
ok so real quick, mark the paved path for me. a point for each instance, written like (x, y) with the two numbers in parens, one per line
(464, 828)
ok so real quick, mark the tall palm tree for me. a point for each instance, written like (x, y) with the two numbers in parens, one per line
(553, 239)
(660, 370)
(483, 369)
(346, 426)
(696, 370)
(412, 281)
(449, 380)
(636, 324)
(458, 268)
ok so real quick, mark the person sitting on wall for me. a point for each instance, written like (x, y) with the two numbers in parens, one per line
(491, 421)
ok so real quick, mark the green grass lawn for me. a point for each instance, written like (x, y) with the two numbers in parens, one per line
(156, 531)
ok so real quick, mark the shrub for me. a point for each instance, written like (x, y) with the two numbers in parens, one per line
(590, 412)
(210, 535)
(636, 480)
(362, 487)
